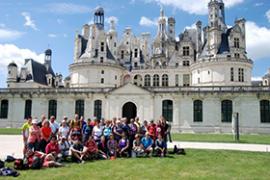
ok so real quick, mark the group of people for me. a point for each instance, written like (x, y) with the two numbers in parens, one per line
(78, 140)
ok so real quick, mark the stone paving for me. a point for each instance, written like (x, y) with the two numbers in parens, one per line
(13, 145)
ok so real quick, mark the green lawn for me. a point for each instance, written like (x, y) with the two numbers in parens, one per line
(256, 139)
(10, 131)
(197, 164)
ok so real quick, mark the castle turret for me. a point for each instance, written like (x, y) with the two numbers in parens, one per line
(48, 58)
(86, 31)
(171, 28)
(12, 72)
(216, 14)
(99, 18)
(199, 37)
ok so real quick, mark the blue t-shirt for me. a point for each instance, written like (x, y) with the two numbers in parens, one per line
(146, 142)
(107, 131)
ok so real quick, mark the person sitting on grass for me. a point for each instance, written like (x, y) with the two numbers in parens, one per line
(147, 143)
(53, 148)
(137, 147)
(90, 149)
(123, 146)
(112, 147)
(76, 150)
(160, 147)
(64, 147)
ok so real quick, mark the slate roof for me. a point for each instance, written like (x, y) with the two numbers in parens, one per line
(109, 54)
(38, 72)
(224, 45)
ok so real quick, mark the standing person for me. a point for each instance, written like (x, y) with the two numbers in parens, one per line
(152, 130)
(25, 132)
(138, 124)
(107, 130)
(118, 130)
(87, 130)
(34, 136)
(167, 129)
(82, 123)
(75, 127)
(54, 125)
(42, 119)
(131, 134)
(46, 133)
(143, 128)
(97, 131)
(63, 130)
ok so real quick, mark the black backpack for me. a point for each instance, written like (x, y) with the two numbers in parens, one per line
(2, 164)
(37, 163)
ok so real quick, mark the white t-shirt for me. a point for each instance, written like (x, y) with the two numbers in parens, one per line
(97, 131)
(54, 126)
(64, 131)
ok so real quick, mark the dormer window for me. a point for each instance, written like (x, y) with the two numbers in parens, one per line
(122, 54)
(186, 51)
(136, 53)
(236, 43)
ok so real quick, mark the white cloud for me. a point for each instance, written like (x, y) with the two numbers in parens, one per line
(193, 26)
(51, 35)
(268, 15)
(256, 79)
(259, 4)
(11, 53)
(258, 44)
(8, 34)
(28, 21)
(193, 6)
(147, 22)
(67, 8)
(109, 19)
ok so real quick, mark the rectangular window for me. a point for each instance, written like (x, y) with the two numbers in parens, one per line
(241, 75)
(176, 80)
(236, 43)
(136, 53)
(4, 109)
(101, 59)
(186, 80)
(198, 111)
(122, 54)
(232, 74)
(102, 81)
(102, 46)
(185, 63)
(237, 55)
(135, 64)
(186, 51)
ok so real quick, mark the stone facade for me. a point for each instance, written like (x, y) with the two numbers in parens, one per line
(197, 81)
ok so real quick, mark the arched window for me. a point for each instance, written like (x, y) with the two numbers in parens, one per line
(28, 108)
(156, 80)
(265, 111)
(137, 80)
(167, 110)
(79, 107)
(198, 111)
(52, 110)
(147, 80)
(226, 111)
(98, 109)
(4, 109)
(165, 80)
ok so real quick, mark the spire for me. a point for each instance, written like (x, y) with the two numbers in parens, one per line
(161, 11)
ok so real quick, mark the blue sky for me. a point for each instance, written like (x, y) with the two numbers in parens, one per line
(28, 27)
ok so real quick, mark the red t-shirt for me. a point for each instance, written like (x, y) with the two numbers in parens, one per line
(152, 130)
(46, 133)
(50, 148)
(92, 146)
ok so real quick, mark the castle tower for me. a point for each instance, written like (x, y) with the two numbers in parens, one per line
(99, 18)
(12, 72)
(48, 58)
(216, 14)
(171, 28)
(112, 38)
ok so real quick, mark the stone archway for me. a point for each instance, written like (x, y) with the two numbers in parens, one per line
(129, 110)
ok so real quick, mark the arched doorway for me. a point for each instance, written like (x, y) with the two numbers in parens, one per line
(129, 110)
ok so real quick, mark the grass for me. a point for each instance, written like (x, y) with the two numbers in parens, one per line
(228, 138)
(10, 131)
(197, 164)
